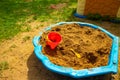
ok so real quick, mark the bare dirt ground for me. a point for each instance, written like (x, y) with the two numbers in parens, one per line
(23, 65)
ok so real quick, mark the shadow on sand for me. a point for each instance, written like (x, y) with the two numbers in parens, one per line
(38, 72)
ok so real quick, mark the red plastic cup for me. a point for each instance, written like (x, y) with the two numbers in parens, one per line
(54, 39)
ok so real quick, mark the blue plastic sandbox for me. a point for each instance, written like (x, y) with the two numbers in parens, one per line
(112, 66)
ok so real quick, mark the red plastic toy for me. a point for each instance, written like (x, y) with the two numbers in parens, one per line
(54, 39)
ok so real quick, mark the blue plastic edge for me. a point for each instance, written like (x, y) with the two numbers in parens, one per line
(79, 16)
(112, 66)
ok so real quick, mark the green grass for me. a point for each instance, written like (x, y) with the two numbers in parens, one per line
(26, 38)
(13, 46)
(4, 65)
(15, 11)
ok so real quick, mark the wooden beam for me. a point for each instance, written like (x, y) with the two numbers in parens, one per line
(81, 7)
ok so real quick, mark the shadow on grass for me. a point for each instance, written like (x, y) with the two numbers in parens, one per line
(38, 72)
